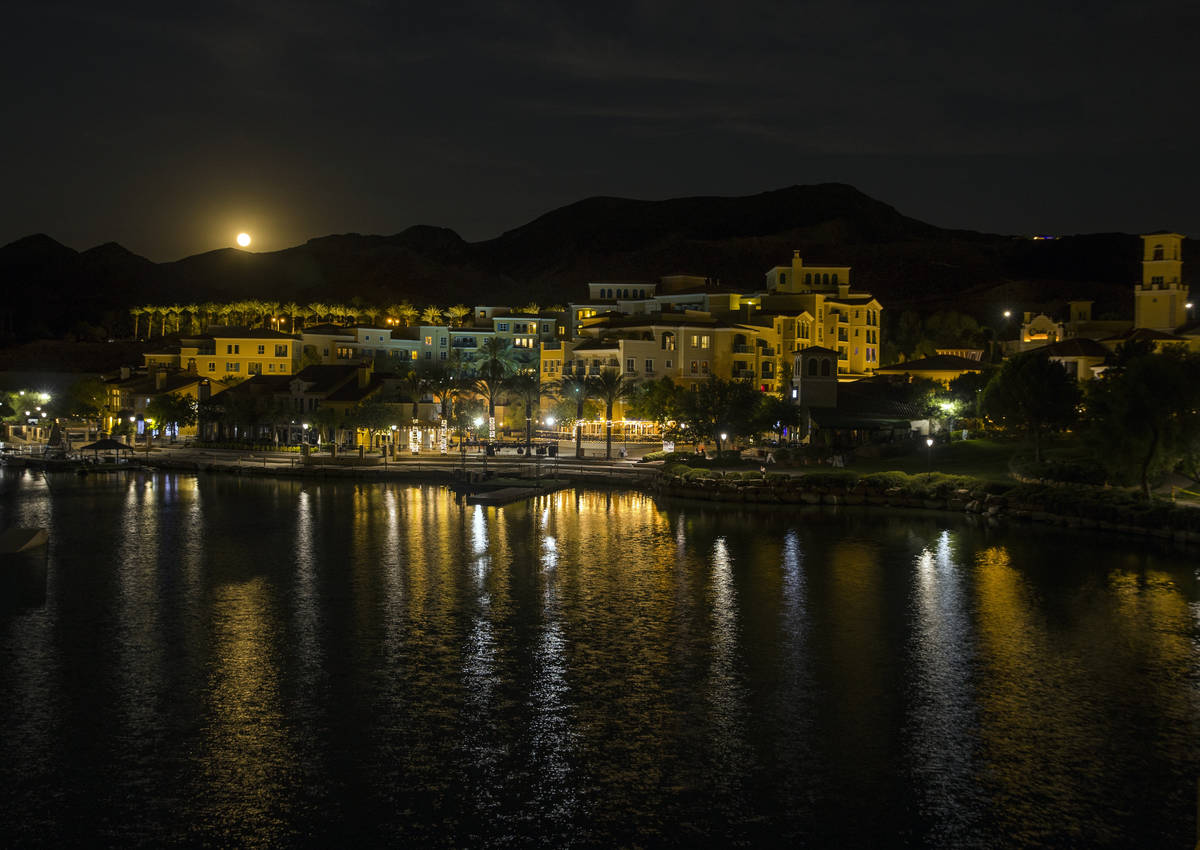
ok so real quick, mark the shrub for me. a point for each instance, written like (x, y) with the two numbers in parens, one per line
(839, 478)
(1066, 470)
(886, 480)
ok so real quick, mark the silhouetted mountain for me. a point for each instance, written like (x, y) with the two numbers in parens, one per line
(906, 262)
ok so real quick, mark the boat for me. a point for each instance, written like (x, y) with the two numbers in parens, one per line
(18, 540)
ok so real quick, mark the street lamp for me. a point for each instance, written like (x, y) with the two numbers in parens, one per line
(929, 445)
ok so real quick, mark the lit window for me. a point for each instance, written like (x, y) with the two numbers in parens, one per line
(262, 349)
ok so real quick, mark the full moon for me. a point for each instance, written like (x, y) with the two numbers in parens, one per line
(243, 239)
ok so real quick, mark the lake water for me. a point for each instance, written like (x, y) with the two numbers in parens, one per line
(218, 660)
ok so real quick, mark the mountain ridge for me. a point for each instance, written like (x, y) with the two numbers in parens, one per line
(904, 261)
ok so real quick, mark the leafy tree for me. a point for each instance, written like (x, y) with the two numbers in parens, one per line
(374, 416)
(776, 414)
(85, 398)
(1142, 418)
(967, 390)
(1033, 394)
(170, 411)
(659, 402)
(724, 407)
(1130, 350)
(327, 422)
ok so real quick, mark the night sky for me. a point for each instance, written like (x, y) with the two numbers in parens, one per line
(171, 127)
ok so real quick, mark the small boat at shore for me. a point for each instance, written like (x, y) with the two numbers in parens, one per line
(18, 540)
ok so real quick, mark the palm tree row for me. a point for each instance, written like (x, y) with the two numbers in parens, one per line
(195, 318)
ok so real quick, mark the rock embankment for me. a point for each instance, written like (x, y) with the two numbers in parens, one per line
(1075, 506)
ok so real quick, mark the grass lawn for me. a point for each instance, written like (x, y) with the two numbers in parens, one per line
(984, 459)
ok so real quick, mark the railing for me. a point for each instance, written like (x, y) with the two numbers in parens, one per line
(742, 349)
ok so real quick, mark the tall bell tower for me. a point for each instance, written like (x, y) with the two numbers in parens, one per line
(1159, 299)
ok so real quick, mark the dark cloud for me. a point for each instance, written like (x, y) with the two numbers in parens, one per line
(169, 126)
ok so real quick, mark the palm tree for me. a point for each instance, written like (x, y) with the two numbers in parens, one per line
(193, 311)
(431, 315)
(292, 308)
(528, 389)
(495, 364)
(578, 389)
(532, 307)
(150, 310)
(457, 313)
(372, 313)
(224, 313)
(136, 313)
(610, 387)
(414, 386)
(406, 312)
(447, 381)
(268, 309)
(318, 310)
(208, 309)
(169, 310)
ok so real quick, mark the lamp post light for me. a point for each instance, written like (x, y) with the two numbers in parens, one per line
(478, 425)
(929, 445)
(720, 441)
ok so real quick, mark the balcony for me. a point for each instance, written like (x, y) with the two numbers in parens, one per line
(743, 373)
(767, 352)
(742, 349)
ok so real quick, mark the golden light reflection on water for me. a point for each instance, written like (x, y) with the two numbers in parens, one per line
(247, 760)
(856, 612)
(1039, 741)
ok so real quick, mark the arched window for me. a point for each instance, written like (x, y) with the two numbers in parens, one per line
(1158, 252)
(826, 280)
(812, 366)
(835, 277)
(782, 278)
(808, 277)
(668, 341)
(824, 367)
